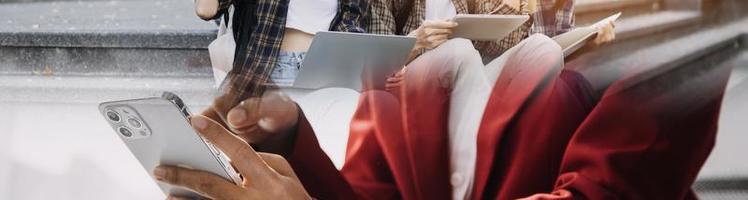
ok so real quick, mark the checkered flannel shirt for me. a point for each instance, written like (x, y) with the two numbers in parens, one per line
(383, 12)
(266, 23)
(552, 22)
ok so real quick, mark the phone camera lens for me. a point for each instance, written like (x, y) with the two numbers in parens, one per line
(134, 123)
(125, 131)
(112, 116)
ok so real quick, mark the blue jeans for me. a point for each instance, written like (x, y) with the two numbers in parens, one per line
(287, 68)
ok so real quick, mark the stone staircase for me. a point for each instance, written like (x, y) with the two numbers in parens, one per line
(138, 46)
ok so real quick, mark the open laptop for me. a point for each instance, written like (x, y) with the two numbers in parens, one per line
(346, 60)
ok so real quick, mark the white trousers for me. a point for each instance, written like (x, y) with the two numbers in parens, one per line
(470, 82)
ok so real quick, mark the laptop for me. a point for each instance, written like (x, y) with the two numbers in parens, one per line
(347, 60)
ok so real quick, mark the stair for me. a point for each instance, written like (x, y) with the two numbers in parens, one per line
(112, 46)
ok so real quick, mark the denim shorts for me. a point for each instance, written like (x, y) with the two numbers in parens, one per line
(287, 68)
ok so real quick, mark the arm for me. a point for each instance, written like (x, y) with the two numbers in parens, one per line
(429, 35)
(211, 9)
(640, 144)
(274, 123)
(365, 174)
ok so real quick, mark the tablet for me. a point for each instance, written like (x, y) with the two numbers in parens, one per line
(485, 27)
(346, 60)
(575, 39)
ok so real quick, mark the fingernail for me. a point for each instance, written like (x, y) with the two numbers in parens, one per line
(199, 123)
(237, 115)
(159, 173)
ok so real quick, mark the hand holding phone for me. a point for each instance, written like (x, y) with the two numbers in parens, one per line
(267, 121)
(266, 176)
(158, 131)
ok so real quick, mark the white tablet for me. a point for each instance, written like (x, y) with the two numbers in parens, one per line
(485, 27)
(575, 39)
(346, 60)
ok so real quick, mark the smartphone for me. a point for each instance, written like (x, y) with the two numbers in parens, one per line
(158, 132)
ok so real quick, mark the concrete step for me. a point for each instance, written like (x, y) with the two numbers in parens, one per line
(95, 89)
(104, 38)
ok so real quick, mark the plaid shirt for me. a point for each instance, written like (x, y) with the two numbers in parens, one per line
(383, 12)
(552, 22)
(259, 28)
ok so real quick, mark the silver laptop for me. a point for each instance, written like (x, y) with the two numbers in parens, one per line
(347, 60)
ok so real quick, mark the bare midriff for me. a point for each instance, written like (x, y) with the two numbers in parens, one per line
(296, 41)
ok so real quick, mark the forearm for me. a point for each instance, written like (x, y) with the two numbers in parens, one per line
(206, 9)
(210, 9)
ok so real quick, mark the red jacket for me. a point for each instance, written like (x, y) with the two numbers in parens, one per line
(537, 139)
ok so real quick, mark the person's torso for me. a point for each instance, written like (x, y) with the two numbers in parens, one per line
(439, 10)
(311, 16)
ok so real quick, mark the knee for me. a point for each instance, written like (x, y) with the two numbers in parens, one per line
(459, 46)
(458, 50)
(457, 43)
(543, 42)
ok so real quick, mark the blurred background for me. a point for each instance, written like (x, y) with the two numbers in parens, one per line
(60, 58)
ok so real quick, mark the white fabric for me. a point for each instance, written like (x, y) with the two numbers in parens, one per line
(311, 16)
(472, 88)
(329, 112)
(471, 82)
(440, 10)
(222, 50)
(460, 69)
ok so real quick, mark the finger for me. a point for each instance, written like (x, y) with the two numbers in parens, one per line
(203, 183)
(394, 80)
(249, 134)
(391, 80)
(440, 24)
(220, 106)
(598, 40)
(245, 114)
(211, 113)
(278, 163)
(438, 38)
(437, 42)
(401, 72)
(246, 160)
(263, 112)
(438, 31)
(392, 86)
